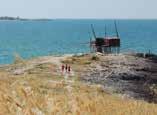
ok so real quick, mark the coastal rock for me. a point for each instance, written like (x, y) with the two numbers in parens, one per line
(18, 72)
(125, 74)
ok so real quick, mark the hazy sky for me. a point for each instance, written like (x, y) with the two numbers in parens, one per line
(79, 8)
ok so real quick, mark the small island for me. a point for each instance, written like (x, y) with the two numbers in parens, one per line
(21, 19)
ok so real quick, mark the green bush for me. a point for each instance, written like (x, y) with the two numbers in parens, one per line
(95, 58)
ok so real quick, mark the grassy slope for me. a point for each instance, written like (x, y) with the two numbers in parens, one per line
(40, 91)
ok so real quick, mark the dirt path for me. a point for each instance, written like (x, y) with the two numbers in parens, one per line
(58, 62)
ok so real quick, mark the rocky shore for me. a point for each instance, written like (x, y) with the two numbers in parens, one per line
(133, 76)
(130, 75)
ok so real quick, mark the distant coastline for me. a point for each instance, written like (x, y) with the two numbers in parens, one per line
(50, 19)
(22, 19)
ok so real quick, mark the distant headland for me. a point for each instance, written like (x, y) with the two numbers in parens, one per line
(22, 19)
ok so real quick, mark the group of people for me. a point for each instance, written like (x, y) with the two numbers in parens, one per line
(66, 68)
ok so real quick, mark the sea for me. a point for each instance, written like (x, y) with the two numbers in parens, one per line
(33, 38)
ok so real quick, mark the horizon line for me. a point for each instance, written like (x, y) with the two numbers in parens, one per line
(81, 18)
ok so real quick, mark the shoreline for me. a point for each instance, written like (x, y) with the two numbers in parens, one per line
(140, 54)
(115, 72)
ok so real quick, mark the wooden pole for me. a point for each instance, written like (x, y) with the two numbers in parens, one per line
(105, 32)
(93, 31)
(116, 29)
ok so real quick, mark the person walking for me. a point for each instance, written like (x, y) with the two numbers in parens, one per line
(66, 67)
(69, 69)
(63, 67)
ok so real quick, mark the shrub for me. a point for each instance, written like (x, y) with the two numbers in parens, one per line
(95, 58)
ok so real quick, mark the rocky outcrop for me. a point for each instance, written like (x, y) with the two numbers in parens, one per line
(125, 74)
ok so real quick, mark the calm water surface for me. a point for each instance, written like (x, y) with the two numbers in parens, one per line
(38, 38)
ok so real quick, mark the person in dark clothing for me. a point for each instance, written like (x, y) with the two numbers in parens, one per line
(66, 67)
(63, 67)
(69, 69)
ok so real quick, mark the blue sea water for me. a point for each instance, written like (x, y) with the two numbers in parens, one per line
(38, 38)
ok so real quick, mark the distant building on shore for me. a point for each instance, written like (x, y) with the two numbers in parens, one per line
(105, 44)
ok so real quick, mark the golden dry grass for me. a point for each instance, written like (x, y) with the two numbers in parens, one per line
(34, 95)
(41, 92)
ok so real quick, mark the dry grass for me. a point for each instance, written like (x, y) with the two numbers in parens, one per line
(80, 63)
(40, 92)
(33, 95)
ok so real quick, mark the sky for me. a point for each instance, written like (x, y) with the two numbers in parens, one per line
(97, 9)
